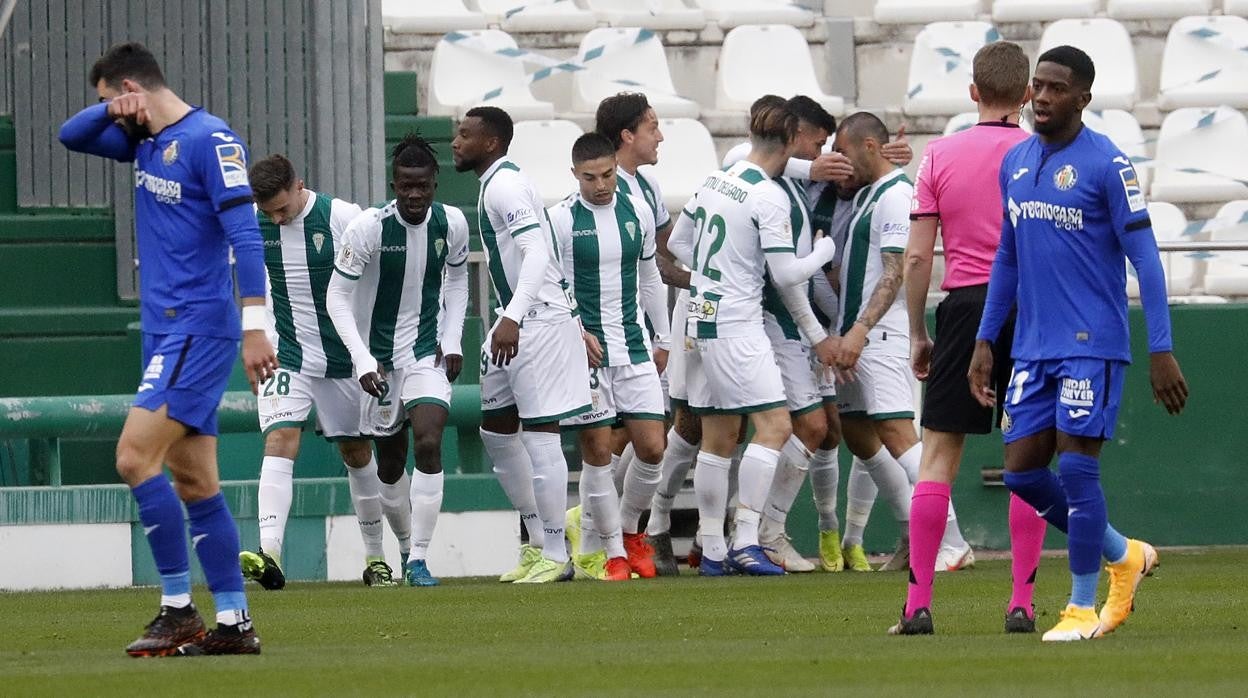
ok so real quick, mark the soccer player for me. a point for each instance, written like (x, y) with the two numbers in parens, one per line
(957, 193)
(607, 246)
(535, 370)
(192, 205)
(409, 258)
(1073, 209)
(733, 234)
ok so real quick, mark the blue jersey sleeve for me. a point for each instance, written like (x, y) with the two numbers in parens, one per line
(1003, 280)
(221, 165)
(1128, 212)
(92, 131)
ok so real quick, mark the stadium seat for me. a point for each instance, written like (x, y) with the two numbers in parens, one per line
(467, 70)
(1182, 268)
(1124, 131)
(648, 14)
(537, 15)
(735, 13)
(543, 149)
(1202, 155)
(429, 16)
(686, 156)
(967, 119)
(633, 60)
(1042, 10)
(1239, 8)
(924, 11)
(1205, 63)
(940, 67)
(785, 68)
(1227, 272)
(1109, 45)
(1157, 9)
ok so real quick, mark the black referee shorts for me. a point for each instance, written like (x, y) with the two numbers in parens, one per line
(947, 401)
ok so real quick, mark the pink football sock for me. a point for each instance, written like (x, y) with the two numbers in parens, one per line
(929, 507)
(1026, 541)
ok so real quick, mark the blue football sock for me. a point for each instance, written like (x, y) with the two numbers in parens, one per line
(1083, 589)
(1087, 519)
(160, 512)
(1043, 490)
(1114, 547)
(215, 537)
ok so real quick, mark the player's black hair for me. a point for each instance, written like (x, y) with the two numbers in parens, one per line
(497, 122)
(862, 125)
(812, 112)
(591, 146)
(620, 112)
(127, 61)
(1081, 67)
(271, 176)
(413, 151)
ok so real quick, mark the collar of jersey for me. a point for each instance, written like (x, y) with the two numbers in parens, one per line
(307, 208)
(398, 215)
(494, 168)
(595, 207)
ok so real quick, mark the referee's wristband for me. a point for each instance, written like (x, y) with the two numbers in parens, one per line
(255, 317)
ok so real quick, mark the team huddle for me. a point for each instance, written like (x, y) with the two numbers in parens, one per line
(800, 272)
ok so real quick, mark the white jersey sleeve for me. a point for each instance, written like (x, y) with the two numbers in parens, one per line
(360, 243)
(891, 221)
(509, 200)
(341, 213)
(454, 285)
(771, 211)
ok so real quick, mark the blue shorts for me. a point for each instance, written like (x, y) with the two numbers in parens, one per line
(1079, 397)
(189, 373)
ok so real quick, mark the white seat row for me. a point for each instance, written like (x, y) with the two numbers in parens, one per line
(924, 11)
(485, 67)
(1216, 273)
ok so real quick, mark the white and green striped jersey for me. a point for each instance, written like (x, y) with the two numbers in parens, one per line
(508, 206)
(399, 269)
(644, 185)
(601, 247)
(774, 311)
(739, 215)
(299, 259)
(880, 223)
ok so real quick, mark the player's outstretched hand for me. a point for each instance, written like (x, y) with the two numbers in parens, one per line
(454, 364)
(1169, 386)
(921, 356)
(504, 342)
(593, 349)
(374, 383)
(258, 358)
(831, 167)
(897, 151)
(980, 375)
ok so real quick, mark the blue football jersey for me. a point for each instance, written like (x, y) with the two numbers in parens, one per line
(1073, 214)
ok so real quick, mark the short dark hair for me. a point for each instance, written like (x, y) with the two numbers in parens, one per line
(1081, 67)
(620, 112)
(862, 125)
(271, 176)
(812, 112)
(773, 123)
(591, 146)
(765, 101)
(1001, 72)
(497, 122)
(129, 61)
(413, 151)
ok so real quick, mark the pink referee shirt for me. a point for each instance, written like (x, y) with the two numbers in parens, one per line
(958, 183)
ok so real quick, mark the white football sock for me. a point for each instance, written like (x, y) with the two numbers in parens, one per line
(620, 465)
(425, 498)
(758, 469)
(790, 474)
(825, 476)
(953, 534)
(396, 502)
(677, 459)
(860, 493)
(891, 478)
(910, 461)
(515, 474)
(710, 482)
(366, 497)
(640, 485)
(550, 489)
(276, 491)
(603, 505)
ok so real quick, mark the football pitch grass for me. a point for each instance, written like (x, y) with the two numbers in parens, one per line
(814, 634)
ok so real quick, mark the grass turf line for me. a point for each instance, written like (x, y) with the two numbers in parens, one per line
(815, 633)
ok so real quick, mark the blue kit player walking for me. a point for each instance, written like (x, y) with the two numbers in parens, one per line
(1073, 210)
(192, 204)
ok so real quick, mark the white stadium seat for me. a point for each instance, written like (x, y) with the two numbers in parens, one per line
(1042, 10)
(543, 149)
(467, 72)
(537, 15)
(1109, 45)
(1227, 272)
(1202, 156)
(429, 16)
(633, 61)
(648, 14)
(1122, 128)
(940, 67)
(686, 156)
(769, 59)
(1238, 8)
(1205, 63)
(924, 11)
(1157, 9)
(735, 13)
(1182, 269)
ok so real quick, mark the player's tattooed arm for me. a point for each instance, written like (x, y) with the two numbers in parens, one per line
(885, 291)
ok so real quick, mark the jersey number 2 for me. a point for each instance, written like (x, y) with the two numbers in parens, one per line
(717, 227)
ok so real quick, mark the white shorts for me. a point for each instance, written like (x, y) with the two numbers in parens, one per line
(288, 399)
(632, 391)
(419, 384)
(734, 375)
(794, 359)
(677, 359)
(548, 380)
(884, 388)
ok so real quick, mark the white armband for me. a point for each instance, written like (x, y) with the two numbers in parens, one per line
(255, 317)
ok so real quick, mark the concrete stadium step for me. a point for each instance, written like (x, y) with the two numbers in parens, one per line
(399, 92)
(49, 274)
(66, 321)
(56, 226)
